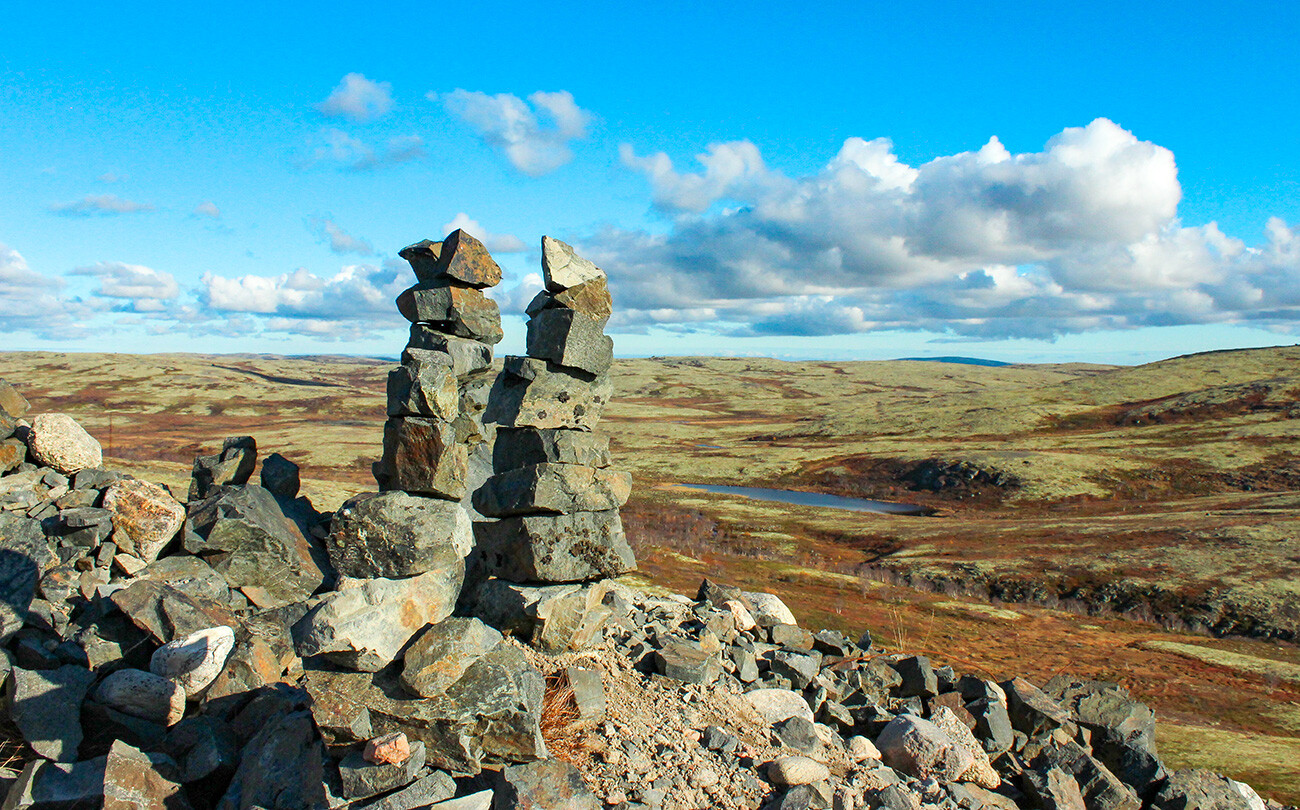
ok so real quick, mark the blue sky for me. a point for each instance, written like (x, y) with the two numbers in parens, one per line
(839, 180)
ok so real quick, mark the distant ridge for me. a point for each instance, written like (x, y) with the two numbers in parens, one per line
(966, 361)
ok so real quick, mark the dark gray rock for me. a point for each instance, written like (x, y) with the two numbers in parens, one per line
(166, 613)
(189, 575)
(361, 779)
(1123, 729)
(233, 466)
(441, 654)
(393, 534)
(1101, 789)
(503, 693)
(798, 668)
(918, 677)
(798, 733)
(833, 642)
(467, 356)
(281, 768)
(463, 258)
(555, 548)
(553, 489)
(46, 707)
(458, 310)
(522, 447)
(992, 725)
(203, 746)
(591, 298)
(569, 338)
(424, 385)
(433, 789)
(540, 394)
(545, 785)
(124, 777)
(245, 535)
(425, 457)
(25, 556)
(685, 661)
(717, 739)
(280, 477)
(1198, 790)
(553, 618)
(423, 257)
(1032, 711)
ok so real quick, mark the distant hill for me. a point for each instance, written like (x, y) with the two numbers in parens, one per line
(966, 361)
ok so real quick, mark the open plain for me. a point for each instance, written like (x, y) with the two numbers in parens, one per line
(1134, 524)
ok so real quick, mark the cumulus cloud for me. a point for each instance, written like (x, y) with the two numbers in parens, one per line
(534, 135)
(207, 209)
(99, 205)
(134, 287)
(494, 242)
(31, 302)
(339, 240)
(334, 146)
(358, 99)
(1082, 235)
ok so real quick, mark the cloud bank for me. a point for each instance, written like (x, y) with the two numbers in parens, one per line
(534, 135)
(1082, 235)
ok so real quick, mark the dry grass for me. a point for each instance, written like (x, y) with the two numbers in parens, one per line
(567, 736)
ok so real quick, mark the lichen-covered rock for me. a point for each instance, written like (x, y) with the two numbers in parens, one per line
(441, 654)
(555, 548)
(423, 456)
(541, 394)
(461, 311)
(393, 534)
(57, 440)
(553, 489)
(569, 338)
(145, 517)
(981, 771)
(194, 661)
(465, 259)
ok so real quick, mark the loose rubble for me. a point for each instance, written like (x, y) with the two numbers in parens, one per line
(461, 639)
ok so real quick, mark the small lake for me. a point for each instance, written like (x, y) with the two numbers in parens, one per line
(817, 499)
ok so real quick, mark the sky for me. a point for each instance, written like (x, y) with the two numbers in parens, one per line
(1026, 182)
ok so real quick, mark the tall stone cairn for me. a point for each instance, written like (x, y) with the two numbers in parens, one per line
(553, 489)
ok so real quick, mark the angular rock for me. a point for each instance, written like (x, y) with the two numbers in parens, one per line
(792, 637)
(166, 613)
(189, 575)
(428, 791)
(463, 258)
(1100, 787)
(281, 767)
(685, 661)
(992, 725)
(563, 268)
(246, 537)
(366, 624)
(362, 779)
(550, 784)
(798, 668)
(423, 257)
(12, 403)
(553, 618)
(588, 693)
(423, 456)
(1123, 729)
(25, 557)
(775, 705)
(1054, 790)
(503, 693)
(393, 534)
(553, 488)
(424, 385)
(461, 311)
(232, 466)
(918, 677)
(46, 707)
(797, 733)
(195, 661)
(516, 448)
(568, 338)
(591, 298)
(203, 746)
(796, 770)
(467, 356)
(981, 770)
(145, 517)
(144, 695)
(1032, 711)
(1194, 789)
(12, 452)
(280, 477)
(555, 548)
(442, 653)
(920, 748)
(540, 394)
(123, 778)
(57, 440)
(388, 749)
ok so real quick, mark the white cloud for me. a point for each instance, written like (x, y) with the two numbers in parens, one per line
(207, 209)
(340, 241)
(358, 99)
(137, 288)
(30, 301)
(1081, 235)
(339, 148)
(534, 135)
(99, 205)
(494, 242)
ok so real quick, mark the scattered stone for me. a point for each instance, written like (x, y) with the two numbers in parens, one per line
(768, 609)
(920, 748)
(195, 661)
(144, 695)
(389, 749)
(776, 705)
(796, 770)
(125, 777)
(860, 749)
(430, 791)
(57, 440)
(25, 557)
(282, 766)
(393, 534)
(918, 677)
(145, 517)
(1198, 790)
(1032, 711)
(685, 661)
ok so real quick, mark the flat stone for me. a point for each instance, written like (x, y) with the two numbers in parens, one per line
(232, 466)
(792, 637)
(166, 613)
(591, 298)
(194, 661)
(569, 338)
(428, 791)
(563, 268)
(424, 456)
(467, 356)
(282, 766)
(57, 440)
(922, 749)
(1031, 710)
(125, 777)
(588, 693)
(796, 770)
(550, 784)
(553, 489)
(362, 779)
(245, 535)
(393, 534)
(541, 394)
(465, 259)
(189, 575)
(918, 677)
(687, 662)
(12, 403)
(424, 385)
(423, 257)
(483, 800)
(522, 447)
(555, 548)
(46, 707)
(775, 705)
(461, 311)
(443, 652)
(144, 695)
(145, 517)
(280, 476)
(365, 625)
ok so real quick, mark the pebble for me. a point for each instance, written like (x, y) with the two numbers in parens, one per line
(861, 749)
(795, 770)
(703, 777)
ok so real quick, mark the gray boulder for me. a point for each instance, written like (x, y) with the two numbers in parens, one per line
(281, 768)
(1031, 710)
(46, 707)
(920, 748)
(550, 784)
(56, 440)
(233, 466)
(144, 695)
(423, 385)
(393, 534)
(553, 618)
(553, 488)
(1100, 787)
(145, 517)
(555, 548)
(522, 447)
(166, 613)
(124, 777)
(461, 311)
(1195, 789)
(441, 654)
(503, 692)
(569, 338)
(423, 456)
(591, 298)
(361, 779)
(25, 556)
(1123, 729)
(541, 394)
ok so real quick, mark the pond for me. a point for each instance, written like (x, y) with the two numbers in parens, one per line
(814, 499)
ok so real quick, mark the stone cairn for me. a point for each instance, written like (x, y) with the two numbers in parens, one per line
(553, 490)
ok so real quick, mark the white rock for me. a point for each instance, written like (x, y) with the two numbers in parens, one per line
(143, 694)
(981, 771)
(474, 801)
(563, 268)
(776, 705)
(740, 615)
(1248, 793)
(861, 749)
(796, 770)
(195, 661)
(57, 441)
(768, 609)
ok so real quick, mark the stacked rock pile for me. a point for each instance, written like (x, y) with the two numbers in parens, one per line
(553, 489)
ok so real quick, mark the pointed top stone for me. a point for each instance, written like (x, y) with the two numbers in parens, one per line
(563, 268)
(423, 256)
(466, 260)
